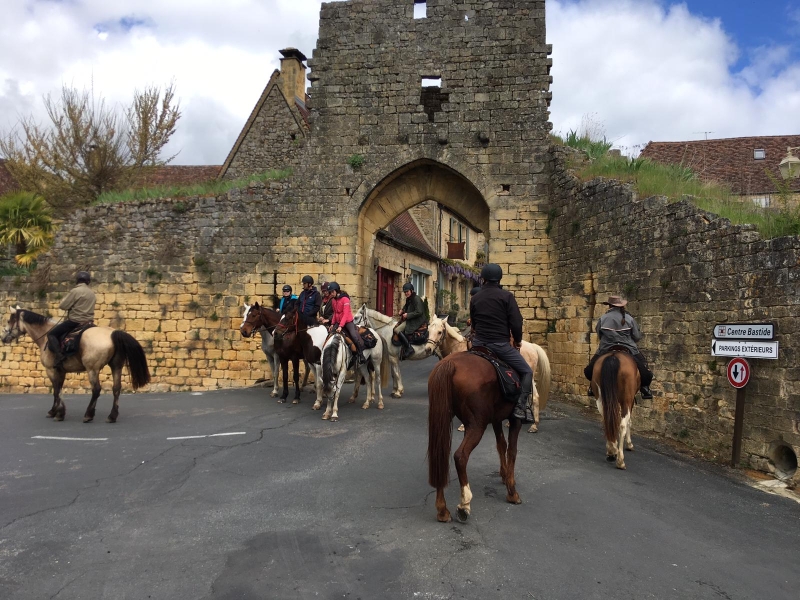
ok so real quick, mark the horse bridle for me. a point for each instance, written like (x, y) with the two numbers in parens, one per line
(268, 328)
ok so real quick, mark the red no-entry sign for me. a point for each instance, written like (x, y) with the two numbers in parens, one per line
(738, 372)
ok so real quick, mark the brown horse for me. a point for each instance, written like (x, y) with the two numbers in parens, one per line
(466, 386)
(294, 342)
(99, 346)
(615, 381)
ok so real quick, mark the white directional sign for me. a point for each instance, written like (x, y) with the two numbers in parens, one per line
(744, 348)
(746, 331)
(738, 372)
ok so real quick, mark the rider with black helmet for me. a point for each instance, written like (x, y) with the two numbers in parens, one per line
(326, 310)
(495, 317)
(343, 318)
(308, 302)
(79, 304)
(287, 300)
(412, 317)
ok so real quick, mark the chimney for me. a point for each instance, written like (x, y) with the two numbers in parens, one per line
(293, 75)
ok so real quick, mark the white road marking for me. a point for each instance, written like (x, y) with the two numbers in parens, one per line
(195, 437)
(71, 439)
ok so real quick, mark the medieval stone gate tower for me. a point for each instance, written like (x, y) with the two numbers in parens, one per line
(452, 107)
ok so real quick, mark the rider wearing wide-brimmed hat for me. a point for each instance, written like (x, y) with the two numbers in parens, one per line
(618, 328)
(79, 304)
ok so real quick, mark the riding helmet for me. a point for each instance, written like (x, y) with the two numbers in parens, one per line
(475, 290)
(334, 287)
(307, 279)
(287, 288)
(407, 287)
(491, 272)
(324, 287)
(83, 277)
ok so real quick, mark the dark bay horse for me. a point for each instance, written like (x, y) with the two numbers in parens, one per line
(99, 346)
(615, 381)
(466, 386)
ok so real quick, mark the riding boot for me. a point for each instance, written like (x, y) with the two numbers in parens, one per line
(55, 348)
(523, 410)
(591, 391)
(646, 393)
(407, 349)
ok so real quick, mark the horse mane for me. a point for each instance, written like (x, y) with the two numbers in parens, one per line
(453, 332)
(32, 318)
(379, 316)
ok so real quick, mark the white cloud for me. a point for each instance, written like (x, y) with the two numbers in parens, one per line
(651, 73)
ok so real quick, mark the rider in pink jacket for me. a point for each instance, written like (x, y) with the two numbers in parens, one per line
(343, 318)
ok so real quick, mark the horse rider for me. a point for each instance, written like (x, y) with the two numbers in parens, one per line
(308, 302)
(495, 317)
(412, 317)
(326, 310)
(287, 301)
(343, 318)
(618, 328)
(79, 304)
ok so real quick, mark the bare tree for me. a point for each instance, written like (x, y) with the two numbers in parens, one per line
(88, 148)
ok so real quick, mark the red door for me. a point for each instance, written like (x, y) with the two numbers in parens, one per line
(385, 295)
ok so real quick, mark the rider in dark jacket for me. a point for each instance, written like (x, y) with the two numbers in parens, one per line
(412, 317)
(618, 328)
(308, 302)
(326, 310)
(495, 317)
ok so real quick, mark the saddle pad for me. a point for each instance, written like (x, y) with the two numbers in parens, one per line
(510, 384)
(72, 341)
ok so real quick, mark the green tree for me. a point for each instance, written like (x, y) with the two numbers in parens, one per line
(25, 222)
(87, 147)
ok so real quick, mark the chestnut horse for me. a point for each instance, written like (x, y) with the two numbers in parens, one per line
(615, 381)
(465, 385)
(99, 346)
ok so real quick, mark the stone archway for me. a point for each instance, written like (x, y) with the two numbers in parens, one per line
(403, 189)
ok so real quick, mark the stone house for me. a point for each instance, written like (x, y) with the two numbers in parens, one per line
(748, 165)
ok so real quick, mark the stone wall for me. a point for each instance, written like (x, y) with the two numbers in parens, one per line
(683, 270)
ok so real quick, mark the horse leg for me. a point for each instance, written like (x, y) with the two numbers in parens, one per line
(370, 379)
(611, 450)
(628, 442)
(94, 381)
(59, 410)
(623, 429)
(501, 448)
(511, 483)
(296, 377)
(378, 391)
(535, 426)
(276, 370)
(285, 370)
(116, 388)
(305, 375)
(357, 375)
(397, 380)
(472, 438)
(317, 387)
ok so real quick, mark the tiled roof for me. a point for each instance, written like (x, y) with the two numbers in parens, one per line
(730, 160)
(7, 183)
(177, 175)
(405, 232)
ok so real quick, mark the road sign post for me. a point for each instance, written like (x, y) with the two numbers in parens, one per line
(738, 375)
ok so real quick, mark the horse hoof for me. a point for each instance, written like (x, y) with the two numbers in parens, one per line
(461, 427)
(629, 448)
(622, 466)
(325, 417)
(110, 420)
(51, 414)
(533, 429)
(380, 406)
(611, 458)
(295, 401)
(274, 394)
(444, 518)
(462, 515)
(396, 395)
(515, 499)
(88, 419)
(334, 419)
(58, 418)
(316, 407)
(281, 400)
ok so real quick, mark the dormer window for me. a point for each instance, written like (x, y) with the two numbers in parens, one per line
(759, 154)
(420, 9)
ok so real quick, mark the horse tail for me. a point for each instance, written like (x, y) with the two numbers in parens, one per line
(543, 375)
(440, 416)
(386, 367)
(329, 356)
(609, 394)
(133, 356)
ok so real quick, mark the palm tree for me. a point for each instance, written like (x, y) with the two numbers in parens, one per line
(25, 222)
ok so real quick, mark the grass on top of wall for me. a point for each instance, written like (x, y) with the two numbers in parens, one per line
(212, 187)
(678, 182)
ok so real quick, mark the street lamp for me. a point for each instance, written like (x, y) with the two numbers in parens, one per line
(790, 165)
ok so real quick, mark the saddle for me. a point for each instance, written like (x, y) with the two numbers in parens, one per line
(72, 341)
(418, 338)
(509, 380)
(369, 339)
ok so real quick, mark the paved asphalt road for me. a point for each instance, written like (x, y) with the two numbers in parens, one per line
(297, 507)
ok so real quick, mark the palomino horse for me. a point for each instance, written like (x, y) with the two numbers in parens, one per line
(615, 381)
(465, 385)
(449, 340)
(336, 355)
(99, 346)
(254, 314)
(384, 325)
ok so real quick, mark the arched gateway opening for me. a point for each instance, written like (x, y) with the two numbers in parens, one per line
(404, 188)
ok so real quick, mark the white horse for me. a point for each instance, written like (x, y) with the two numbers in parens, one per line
(384, 325)
(447, 340)
(336, 355)
(268, 347)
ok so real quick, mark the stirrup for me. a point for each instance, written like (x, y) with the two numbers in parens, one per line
(646, 393)
(590, 392)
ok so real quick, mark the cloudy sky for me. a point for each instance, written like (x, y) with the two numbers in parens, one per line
(634, 70)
